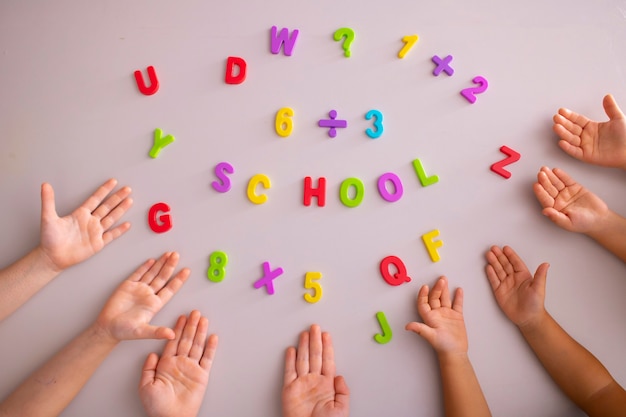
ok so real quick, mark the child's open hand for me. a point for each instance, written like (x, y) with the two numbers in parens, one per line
(311, 387)
(128, 312)
(519, 294)
(174, 384)
(568, 204)
(443, 325)
(599, 143)
(69, 240)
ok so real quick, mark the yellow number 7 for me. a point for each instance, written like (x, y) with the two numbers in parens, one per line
(315, 286)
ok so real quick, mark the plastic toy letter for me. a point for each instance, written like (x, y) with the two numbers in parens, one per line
(252, 195)
(268, 278)
(386, 335)
(220, 172)
(159, 223)
(382, 187)
(141, 84)
(240, 63)
(432, 245)
(319, 192)
(279, 39)
(160, 142)
(425, 180)
(400, 277)
(344, 192)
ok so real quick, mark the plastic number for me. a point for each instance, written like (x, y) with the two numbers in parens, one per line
(470, 93)
(284, 121)
(217, 266)
(309, 283)
(378, 124)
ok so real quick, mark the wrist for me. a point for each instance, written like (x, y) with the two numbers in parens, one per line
(608, 223)
(102, 334)
(452, 358)
(533, 324)
(45, 261)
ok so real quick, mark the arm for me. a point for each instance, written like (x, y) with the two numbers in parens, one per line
(311, 387)
(572, 207)
(600, 143)
(125, 316)
(574, 369)
(174, 384)
(65, 241)
(444, 329)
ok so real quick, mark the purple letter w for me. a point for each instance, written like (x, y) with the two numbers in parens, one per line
(281, 38)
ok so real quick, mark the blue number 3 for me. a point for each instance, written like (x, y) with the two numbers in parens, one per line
(378, 124)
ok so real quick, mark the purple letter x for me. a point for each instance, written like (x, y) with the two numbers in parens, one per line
(442, 65)
(268, 277)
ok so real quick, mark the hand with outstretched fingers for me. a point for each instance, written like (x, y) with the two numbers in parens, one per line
(69, 240)
(599, 143)
(311, 388)
(568, 204)
(443, 327)
(128, 312)
(174, 384)
(519, 294)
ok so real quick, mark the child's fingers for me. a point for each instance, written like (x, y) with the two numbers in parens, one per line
(166, 293)
(148, 371)
(445, 293)
(515, 261)
(434, 299)
(546, 180)
(563, 177)
(164, 274)
(111, 235)
(153, 332)
(566, 120)
(544, 198)
(423, 330)
(96, 198)
(111, 217)
(611, 108)
(302, 355)
(570, 149)
(457, 304)
(492, 277)
(328, 355)
(189, 334)
(290, 366)
(496, 266)
(199, 340)
(206, 362)
(315, 350)
(578, 121)
(557, 217)
(113, 201)
(342, 393)
(149, 275)
(422, 301)
(140, 272)
(171, 347)
(555, 180)
(48, 208)
(541, 276)
(501, 264)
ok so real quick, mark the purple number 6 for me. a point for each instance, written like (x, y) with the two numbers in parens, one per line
(469, 93)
